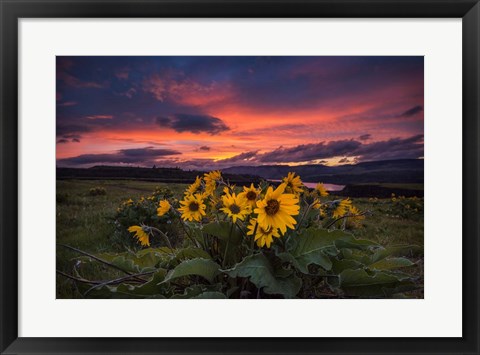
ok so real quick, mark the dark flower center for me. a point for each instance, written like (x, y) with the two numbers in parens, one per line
(272, 207)
(251, 195)
(193, 206)
(234, 209)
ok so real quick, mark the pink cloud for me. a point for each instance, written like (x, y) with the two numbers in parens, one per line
(99, 117)
(186, 91)
(122, 73)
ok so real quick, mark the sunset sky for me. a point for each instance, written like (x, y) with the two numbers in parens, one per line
(214, 112)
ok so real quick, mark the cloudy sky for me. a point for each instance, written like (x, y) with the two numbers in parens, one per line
(214, 112)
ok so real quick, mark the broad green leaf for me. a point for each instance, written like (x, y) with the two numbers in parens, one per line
(262, 274)
(359, 283)
(221, 230)
(339, 265)
(191, 253)
(357, 255)
(210, 295)
(310, 247)
(397, 250)
(151, 289)
(353, 243)
(205, 268)
(391, 263)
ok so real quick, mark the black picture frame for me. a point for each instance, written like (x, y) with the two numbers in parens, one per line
(12, 10)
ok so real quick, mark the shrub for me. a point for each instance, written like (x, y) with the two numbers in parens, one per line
(144, 211)
(260, 242)
(97, 191)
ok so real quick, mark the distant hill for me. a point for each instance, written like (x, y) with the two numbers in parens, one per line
(386, 171)
(406, 171)
(171, 175)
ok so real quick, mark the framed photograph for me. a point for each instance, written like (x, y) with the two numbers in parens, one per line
(239, 177)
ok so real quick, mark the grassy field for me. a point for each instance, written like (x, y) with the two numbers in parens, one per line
(86, 222)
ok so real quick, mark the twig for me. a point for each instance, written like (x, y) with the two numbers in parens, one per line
(119, 280)
(163, 235)
(99, 260)
(346, 216)
(78, 279)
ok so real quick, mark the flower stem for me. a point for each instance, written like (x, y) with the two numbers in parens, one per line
(226, 247)
(163, 235)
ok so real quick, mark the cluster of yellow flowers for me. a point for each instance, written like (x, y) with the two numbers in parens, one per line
(268, 214)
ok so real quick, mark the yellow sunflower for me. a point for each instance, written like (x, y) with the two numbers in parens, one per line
(164, 208)
(212, 176)
(193, 188)
(263, 236)
(316, 204)
(250, 194)
(294, 184)
(235, 207)
(140, 235)
(356, 216)
(210, 188)
(193, 207)
(342, 208)
(322, 191)
(277, 208)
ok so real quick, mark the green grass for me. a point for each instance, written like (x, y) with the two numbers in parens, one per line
(86, 222)
(396, 185)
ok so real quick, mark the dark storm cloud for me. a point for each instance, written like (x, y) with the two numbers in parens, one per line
(365, 137)
(412, 112)
(395, 148)
(239, 157)
(67, 129)
(126, 156)
(308, 152)
(193, 123)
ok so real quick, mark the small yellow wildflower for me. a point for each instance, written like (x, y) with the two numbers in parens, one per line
(164, 208)
(193, 207)
(235, 207)
(316, 204)
(322, 191)
(263, 236)
(250, 194)
(342, 208)
(293, 183)
(212, 176)
(193, 188)
(140, 235)
(277, 208)
(210, 188)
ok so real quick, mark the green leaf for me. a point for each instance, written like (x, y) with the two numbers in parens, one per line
(191, 253)
(221, 230)
(340, 265)
(205, 268)
(311, 246)
(262, 274)
(210, 295)
(360, 283)
(397, 250)
(150, 289)
(391, 263)
(357, 255)
(353, 243)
